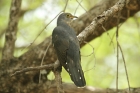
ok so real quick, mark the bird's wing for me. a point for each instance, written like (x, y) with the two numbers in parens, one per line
(73, 65)
(60, 42)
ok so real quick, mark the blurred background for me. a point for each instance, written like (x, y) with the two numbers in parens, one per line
(99, 67)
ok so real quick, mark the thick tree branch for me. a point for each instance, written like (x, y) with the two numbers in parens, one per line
(101, 19)
(71, 88)
(48, 66)
(10, 35)
(85, 20)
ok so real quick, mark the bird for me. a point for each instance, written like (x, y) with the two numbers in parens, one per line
(67, 48)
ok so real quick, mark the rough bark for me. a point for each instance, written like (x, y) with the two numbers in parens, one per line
(28, 82)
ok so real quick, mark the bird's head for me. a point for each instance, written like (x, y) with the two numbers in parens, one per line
(66, 17)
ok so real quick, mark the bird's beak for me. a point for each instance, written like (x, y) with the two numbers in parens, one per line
(74, 17)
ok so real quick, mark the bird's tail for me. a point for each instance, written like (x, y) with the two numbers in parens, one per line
(76, 73)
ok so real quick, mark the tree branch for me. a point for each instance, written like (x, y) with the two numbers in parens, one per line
(71, 88)
(49, 66)
(100, 20)
(10, 35)
(85, 20)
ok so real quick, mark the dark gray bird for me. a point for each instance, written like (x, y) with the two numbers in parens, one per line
(67, 48)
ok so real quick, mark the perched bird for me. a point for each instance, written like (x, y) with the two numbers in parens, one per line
(67, 48)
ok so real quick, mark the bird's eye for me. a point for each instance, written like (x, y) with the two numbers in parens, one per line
(68, 15)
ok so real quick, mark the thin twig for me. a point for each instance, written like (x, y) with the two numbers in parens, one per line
(111, 40)
(117, 35)
(92, 50)
(77, 7)
(81, 5)
(89, 69)
(117, 65)
(42, 31)
(45, 53)
(43, 59)
(125, 67)
(90, 55)
(65, 6)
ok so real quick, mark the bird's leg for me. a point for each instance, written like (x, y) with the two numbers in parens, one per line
(56, 64)
(58, 81)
